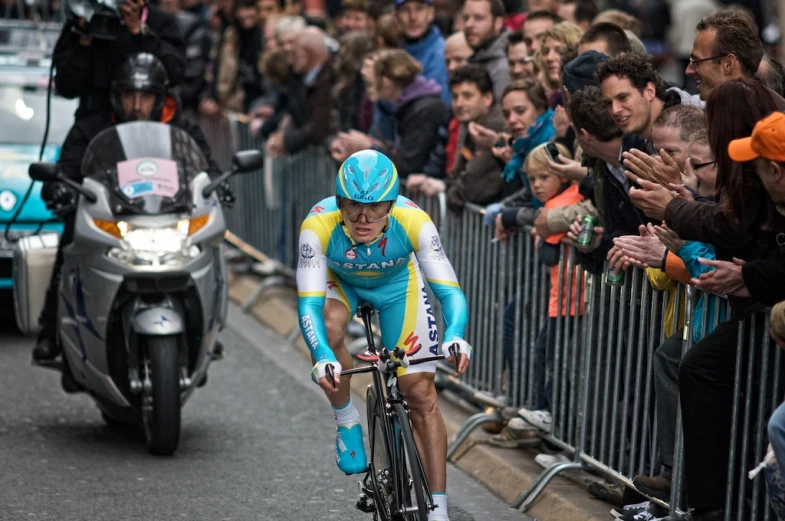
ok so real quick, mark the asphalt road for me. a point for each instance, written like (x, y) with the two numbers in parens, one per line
(257, 444)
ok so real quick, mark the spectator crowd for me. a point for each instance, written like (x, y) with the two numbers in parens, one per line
(543, 114)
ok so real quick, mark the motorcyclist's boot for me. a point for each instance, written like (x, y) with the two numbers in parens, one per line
(218, 351)
(46, 346)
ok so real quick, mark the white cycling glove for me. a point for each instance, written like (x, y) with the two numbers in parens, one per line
(463, 348)
(319, 371)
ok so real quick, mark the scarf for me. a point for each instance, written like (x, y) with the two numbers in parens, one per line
(540, 132)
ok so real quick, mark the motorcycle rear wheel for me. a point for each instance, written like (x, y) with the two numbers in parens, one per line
(161, 399)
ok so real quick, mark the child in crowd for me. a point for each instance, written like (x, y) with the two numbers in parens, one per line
(700, 175)
(553, 192)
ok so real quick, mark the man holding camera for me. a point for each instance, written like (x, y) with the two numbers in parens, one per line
(90, 47)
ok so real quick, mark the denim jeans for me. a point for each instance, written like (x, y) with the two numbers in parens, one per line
(544, 353)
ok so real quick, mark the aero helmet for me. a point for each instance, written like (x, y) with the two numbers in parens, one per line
(367, 176)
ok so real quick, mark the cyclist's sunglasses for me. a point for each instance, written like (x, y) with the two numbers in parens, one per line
(374, 212)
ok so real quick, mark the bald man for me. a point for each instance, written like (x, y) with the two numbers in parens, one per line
(310, 103)
(456, 52)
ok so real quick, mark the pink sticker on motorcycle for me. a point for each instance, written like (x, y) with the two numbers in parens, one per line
(148, 176)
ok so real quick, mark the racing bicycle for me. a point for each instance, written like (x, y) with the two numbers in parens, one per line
(394, 487)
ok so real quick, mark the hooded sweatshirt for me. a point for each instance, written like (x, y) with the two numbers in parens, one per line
(418, 113)
(429, 51)
(493, 58)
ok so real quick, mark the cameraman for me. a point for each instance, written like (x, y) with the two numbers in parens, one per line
(86, 53)
(139, 92)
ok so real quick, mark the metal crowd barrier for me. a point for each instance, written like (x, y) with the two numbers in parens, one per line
(603, 397)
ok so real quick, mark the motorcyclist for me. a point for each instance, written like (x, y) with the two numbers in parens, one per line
(139, 93)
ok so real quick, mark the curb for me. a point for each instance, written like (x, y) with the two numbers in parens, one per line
(505, 472)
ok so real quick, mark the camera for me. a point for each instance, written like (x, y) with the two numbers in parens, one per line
(102, 16)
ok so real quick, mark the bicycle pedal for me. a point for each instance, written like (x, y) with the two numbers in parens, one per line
(365, 504)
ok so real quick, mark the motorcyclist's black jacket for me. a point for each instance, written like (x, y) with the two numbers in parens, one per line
(85, 72)
(87, 128)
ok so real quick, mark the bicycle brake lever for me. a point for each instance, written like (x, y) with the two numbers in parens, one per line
(330, 373)
(400, 355)
(455, 353)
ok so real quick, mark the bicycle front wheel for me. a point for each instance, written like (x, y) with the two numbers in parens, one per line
(380, 466)
(414, 497)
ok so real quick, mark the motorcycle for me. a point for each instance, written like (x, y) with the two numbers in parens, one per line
(143, 291)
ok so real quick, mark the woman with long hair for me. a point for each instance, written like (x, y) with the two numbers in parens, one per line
(549, 58)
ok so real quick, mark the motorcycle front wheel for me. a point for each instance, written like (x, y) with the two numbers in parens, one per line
(161, 395)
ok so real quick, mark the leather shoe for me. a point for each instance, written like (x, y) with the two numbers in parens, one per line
(46, 348)
(655, 486)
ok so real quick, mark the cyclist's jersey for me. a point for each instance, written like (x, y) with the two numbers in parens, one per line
(385, 267)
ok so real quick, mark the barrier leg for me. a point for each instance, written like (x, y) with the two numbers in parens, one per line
(467, 428)
(531, 494)
(267, 283)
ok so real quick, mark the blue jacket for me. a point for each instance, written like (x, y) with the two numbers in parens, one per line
(429, 51)
(690, 253)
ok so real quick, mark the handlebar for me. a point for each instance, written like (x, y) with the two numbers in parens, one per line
(401, 360)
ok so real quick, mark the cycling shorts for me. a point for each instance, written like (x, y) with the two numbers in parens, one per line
(405, 313)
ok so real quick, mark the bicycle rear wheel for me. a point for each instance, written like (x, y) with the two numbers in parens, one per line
(380, 460)
(410, 477)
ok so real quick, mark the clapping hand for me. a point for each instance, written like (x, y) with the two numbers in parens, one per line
(669, 238)
(661, 170)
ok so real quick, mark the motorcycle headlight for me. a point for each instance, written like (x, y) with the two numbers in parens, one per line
(167, 246)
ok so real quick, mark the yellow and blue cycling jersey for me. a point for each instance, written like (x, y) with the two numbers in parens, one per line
(385, 272)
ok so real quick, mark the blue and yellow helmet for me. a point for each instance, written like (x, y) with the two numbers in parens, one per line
(367, 176)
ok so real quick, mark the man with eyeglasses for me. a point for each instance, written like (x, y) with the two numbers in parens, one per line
(520, 63)
(726, 47)
(367, 244)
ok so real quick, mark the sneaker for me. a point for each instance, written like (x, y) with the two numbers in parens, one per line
(549, 460)
(654, 486)
(349, 449)
(640, 516)
(539, 419)
(517, 433)
(635, 508)
(653, 512)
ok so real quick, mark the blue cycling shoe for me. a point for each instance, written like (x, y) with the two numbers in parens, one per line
(349, 449)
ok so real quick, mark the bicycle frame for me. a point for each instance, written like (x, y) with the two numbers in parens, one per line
(385, 377)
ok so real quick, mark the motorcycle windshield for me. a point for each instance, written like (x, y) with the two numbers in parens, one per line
(146, 166)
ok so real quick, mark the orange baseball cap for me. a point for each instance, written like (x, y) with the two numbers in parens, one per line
(767, 141)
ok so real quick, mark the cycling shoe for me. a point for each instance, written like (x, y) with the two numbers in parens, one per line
(349, 449)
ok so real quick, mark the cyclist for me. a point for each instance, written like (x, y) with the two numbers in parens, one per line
(367, 244)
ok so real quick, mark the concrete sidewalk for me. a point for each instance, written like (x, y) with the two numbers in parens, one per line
(505, 472)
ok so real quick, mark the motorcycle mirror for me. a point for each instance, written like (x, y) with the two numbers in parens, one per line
(247, 160)
(43, 171)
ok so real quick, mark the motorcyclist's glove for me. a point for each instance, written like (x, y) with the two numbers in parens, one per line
(59, 198)
(225, 195)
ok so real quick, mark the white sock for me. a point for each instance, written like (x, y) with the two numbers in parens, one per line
(440, 512)
(346, 415)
